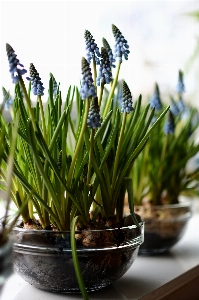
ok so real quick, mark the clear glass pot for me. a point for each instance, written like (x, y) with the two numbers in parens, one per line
(44, 259)
(164, 226)
(5, 262)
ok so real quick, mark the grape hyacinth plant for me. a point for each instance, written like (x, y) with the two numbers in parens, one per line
(73, 171)
(160, 174)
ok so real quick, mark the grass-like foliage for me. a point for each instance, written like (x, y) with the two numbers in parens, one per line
(162, 172)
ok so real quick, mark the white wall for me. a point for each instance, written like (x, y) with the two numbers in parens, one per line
(50, 34)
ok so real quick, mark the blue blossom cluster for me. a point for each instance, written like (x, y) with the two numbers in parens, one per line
(104, 74)
(37, 85)
(55, 85)
(174, 107)
(121, 46)
(87, 89)
(94, 118)
(91, 48)
(14, 65)
(126, 99)
(180, 87)
(155, 100)
(109, 51)
(169, 127)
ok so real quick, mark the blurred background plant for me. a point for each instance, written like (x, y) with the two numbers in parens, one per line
(163, 171)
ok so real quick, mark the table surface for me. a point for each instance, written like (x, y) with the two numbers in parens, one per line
(146, 274)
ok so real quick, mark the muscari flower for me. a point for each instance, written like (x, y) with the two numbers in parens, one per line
(126, 99)
(91, 48)
(121, 46)
(37, 85)
(181, 105)
(104, 74)
(14, 65)
(155, 100)
(88, 89)
(180, 87)
(174, 108)
(169, 126)
(94, 118)
(109, 51)
(55, 85)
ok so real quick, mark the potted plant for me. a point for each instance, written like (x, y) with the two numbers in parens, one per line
(161, 174)
(72, 171)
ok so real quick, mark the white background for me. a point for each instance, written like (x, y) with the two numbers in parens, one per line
(50, 34)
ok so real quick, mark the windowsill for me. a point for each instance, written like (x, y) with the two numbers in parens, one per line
(147, 274)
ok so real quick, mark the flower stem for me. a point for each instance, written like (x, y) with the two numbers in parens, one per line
(108, 103)
(101, 94)
(118, 151)
(90, 155)
(42, 117)
(94, 71)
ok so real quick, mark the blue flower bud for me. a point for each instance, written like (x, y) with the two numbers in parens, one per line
(91, 48)
(169, 127)
(155, 100)
(121, 46)
(87, 89)
(109, 51)
(36, 84)
(174, 108)
(180, 87)
(14, 65)
(104, 74)
(126, 99)
(94, 118)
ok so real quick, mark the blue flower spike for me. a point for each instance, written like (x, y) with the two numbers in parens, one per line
(121, 45)
(55, 85)
(16, 69)
(109, 51)
(104, 74)
(180, 87)
(174, 107)
(94, 118)
(87, 89)
(91, 48)
(169, 127)
(37, 85)
(155, 100)
(126, 99)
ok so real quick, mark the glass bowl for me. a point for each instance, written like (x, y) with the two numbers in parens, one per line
(43, 258)
(164, 226)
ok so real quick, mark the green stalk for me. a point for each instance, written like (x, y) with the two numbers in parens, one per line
(28, 102)
(94, 71)
(90, 155)
(101, 94)
(108, 103)
(118, 151)
(76, 261)
(42, 116)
